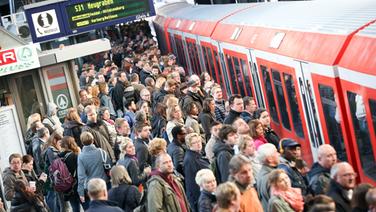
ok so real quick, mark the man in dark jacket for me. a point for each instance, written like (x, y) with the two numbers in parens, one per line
(141, 145)
(194, 94)
(236, 105)
(100, 132)
(249, 108)
(118, 93)
(37, 145)
(176, 149)
(169, 88)
(319, 176)
(97, 191)
(223, 151)
(220, 105)
(342, 183)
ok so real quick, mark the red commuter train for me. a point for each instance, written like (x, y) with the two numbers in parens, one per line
(312, 64)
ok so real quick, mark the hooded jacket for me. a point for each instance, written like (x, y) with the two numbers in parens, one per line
(52, 122)
(74, 129)
(223, 154)
(319, 179)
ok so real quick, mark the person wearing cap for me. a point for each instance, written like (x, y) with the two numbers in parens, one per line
(290, 151)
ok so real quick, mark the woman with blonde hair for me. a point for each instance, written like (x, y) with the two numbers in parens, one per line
(284, 198)
(206, 180)
(174, 118)
(193, 162)
(73, 125)
(123, 192)
(157, 146)
(130, 162)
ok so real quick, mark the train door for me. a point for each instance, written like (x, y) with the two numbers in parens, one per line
(330, 113)
(284, 103)
(238, 73)
(179, 50)
(193, 55)
(256, 79)
(360, 104)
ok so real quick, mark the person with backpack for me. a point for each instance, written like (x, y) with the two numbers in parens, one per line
(69, 153)
(90, 165)
(123, 192)
(50, 152)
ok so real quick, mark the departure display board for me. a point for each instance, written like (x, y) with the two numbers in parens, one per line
(93, 12)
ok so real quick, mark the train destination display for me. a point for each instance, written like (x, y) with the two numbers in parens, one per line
(90, 13)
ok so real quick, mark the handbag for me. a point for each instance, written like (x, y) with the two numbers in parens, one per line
(106, 166)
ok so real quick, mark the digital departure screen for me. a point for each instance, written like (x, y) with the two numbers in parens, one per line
(93, 12)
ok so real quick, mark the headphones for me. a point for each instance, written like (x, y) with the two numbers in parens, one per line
(281, 150)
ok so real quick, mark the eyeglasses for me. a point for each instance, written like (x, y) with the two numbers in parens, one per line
(16, 163)
(350, 175)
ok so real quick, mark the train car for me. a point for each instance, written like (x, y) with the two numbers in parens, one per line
(312, 64)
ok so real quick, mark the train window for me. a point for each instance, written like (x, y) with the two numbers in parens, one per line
(204, 52)
(358, 115)
(281, 99)
(296, 118)
(180, 50)
(239, 77)
(230, 74)
(332, 120)
(222, 72)
(191, 57)
(212, 66)
(269, 94)
(247, 78)
(372, 106)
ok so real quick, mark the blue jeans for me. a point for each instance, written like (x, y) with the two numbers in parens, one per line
(51, 200)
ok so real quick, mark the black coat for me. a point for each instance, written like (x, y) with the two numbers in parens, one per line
(21, 204)
(177, 151)
(337, 193)
(137, 176)
(206, 202)
(103, 205)
(126, 196)
(73, 129)
(142, 153)
(223, 154)
(230, 118)
(206, 120)
(193, 162)
(117, 96)
(271, 137)
(71, 162)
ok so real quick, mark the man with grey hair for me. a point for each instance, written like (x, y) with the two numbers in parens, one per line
(269, 157)
(342, 183)
(97, 191)
(165, 190)
(37, 145)
(240, 169)
(319, 176)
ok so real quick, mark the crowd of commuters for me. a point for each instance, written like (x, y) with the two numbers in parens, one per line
(147, 137)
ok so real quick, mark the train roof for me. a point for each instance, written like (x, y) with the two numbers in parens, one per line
(199, 12)
(323, 16)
